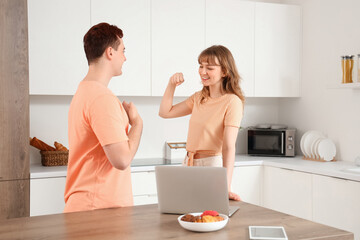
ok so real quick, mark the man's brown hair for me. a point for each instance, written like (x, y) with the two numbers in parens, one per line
(98, 38)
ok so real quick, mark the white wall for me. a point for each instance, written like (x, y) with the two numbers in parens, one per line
(330, 29)
(48, 122)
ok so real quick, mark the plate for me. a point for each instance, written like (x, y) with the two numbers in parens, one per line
(327, 149)
(311, 137)
(302, 144)
(315, 147)
(203, 227)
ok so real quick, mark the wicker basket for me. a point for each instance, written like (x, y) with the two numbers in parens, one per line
(54, 158)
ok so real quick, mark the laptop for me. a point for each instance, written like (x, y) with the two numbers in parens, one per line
(182, 190)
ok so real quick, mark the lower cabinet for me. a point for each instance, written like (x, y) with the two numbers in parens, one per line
(247, 183)
(336, 202)
(327, 200)
(47, 196)
(144, 187)
(288, 191)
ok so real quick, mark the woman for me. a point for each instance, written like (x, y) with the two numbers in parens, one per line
(216, 111)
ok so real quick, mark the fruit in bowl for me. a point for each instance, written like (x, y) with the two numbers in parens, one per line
(206, 221)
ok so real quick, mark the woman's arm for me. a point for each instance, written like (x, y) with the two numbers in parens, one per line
(228, 154)
(167, 110)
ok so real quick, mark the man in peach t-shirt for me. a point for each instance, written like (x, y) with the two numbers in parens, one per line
(101, 146)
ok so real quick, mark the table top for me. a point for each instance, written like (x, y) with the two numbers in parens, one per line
(146, 222)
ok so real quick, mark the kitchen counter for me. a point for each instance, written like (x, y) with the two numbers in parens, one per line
(332, 169)
(146, 222)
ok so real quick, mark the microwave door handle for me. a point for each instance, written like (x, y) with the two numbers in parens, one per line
(282, 142)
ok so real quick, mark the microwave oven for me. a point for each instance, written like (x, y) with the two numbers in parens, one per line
(271, 142)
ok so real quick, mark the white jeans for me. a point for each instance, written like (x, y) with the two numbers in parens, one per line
(213, 161)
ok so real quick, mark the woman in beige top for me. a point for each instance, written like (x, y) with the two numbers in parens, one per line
(216, 111)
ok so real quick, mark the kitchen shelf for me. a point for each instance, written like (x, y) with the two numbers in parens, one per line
(355, 85)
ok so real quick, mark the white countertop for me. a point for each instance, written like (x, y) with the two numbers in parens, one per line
(332, 169)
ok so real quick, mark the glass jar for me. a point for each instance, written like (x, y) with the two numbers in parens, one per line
(347, 64)
(343, 69)
(343, 61)
(350, 69)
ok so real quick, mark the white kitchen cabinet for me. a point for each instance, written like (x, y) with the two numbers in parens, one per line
(247, 183)
(177, 38)
(145, 199)
(277, 50)
(337, 203)
(47, 196)
(144, 187)
(57, 61)
(231, 23)
(133, 18)
(288, 191)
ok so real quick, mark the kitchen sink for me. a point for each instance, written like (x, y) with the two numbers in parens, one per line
(352, 170)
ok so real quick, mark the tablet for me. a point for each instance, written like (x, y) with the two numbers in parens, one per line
(267, 233)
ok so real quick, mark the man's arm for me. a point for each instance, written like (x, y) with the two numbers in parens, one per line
(122, 153)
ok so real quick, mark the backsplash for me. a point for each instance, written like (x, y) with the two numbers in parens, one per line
(48, 122)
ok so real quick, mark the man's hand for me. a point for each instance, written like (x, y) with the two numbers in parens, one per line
(133, 115)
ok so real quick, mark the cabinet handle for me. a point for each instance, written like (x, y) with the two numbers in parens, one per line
(282, 143)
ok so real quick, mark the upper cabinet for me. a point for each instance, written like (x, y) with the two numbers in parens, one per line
(133, 18)
(177, 38)
(277, 50)
(231, 23)
(57, 61)
(163, 37)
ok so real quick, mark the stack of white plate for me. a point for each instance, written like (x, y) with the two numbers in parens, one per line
(316, 146)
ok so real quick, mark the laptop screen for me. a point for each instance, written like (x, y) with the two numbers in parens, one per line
(183, 189)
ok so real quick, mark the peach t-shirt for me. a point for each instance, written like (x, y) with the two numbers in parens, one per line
(96, 118)
(208, 121)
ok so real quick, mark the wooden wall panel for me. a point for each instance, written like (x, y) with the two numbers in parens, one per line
(14, 90)
(14, 198)
(14, 110)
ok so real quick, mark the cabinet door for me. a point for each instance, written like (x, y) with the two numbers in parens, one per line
(133, 17)
(144, 187)
(277, 50)
(246, 182)
(288, 191)
(145, 199)
(47, 196)
(57, 61)
(336, 203)
(234, 29)
(178, 37)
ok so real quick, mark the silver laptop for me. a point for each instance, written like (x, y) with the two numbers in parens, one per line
(183, 189)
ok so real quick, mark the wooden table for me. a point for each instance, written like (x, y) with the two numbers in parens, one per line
(145, 222)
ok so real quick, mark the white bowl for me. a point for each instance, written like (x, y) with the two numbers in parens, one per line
(203, 227)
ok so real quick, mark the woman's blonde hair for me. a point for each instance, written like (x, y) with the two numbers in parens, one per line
(231, 80)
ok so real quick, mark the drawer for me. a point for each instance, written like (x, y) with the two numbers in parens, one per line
(143, 183)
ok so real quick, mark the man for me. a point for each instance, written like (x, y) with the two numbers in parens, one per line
(101, 147)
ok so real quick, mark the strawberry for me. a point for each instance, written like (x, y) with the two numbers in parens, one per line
(210, 212)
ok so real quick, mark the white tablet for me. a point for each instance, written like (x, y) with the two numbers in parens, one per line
(267, 233)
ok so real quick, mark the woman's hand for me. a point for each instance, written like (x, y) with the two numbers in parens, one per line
(176, 79)
(234, 196)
